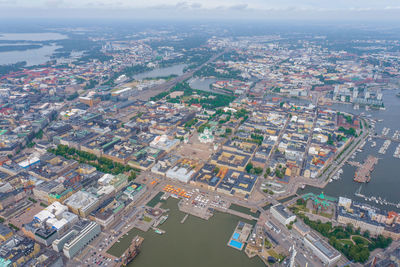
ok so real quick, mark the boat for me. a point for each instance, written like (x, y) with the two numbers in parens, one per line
(398, 94)
(132, 251)
(163, 219)
(158, 231)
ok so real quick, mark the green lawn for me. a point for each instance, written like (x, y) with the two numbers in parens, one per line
(147, 219)
(360, 240)
(346, 242)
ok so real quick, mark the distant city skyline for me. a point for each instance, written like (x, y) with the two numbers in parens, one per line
(176, 9)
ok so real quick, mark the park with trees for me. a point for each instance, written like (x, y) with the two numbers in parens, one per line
(100, 163)
(354, 244)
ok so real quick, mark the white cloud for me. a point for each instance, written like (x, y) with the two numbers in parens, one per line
(280, 9)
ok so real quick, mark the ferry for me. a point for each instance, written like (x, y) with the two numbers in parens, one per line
(163, 219)
(158, 231)
(132, 251)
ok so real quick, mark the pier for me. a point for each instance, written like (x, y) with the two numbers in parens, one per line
(387, 138)
(355, 164)
(184, 218)
(363, 173)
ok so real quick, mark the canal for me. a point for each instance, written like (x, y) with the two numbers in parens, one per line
(195, 243)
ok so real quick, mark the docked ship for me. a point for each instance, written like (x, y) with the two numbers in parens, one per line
(159, 231)
(132, 251)
(163, 219)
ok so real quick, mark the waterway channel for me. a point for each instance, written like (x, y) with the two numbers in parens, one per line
(195, 243)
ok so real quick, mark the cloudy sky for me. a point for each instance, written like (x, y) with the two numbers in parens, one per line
(242, 9)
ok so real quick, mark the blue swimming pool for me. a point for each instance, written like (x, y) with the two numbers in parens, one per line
(236, 244)
(236, 236)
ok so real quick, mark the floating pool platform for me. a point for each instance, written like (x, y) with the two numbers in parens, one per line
(235, 244)
(240, 235)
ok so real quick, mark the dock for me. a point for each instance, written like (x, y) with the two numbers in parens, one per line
(355, 164)
(363, 173)
(184, 218)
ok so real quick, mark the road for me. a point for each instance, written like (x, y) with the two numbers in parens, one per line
(303, 164)
(288, 238)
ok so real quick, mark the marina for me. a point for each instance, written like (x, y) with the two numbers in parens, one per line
(385, 131)
(396, 153)
(384, 147)
(396, 134)
(386, 170)
(376, 200)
